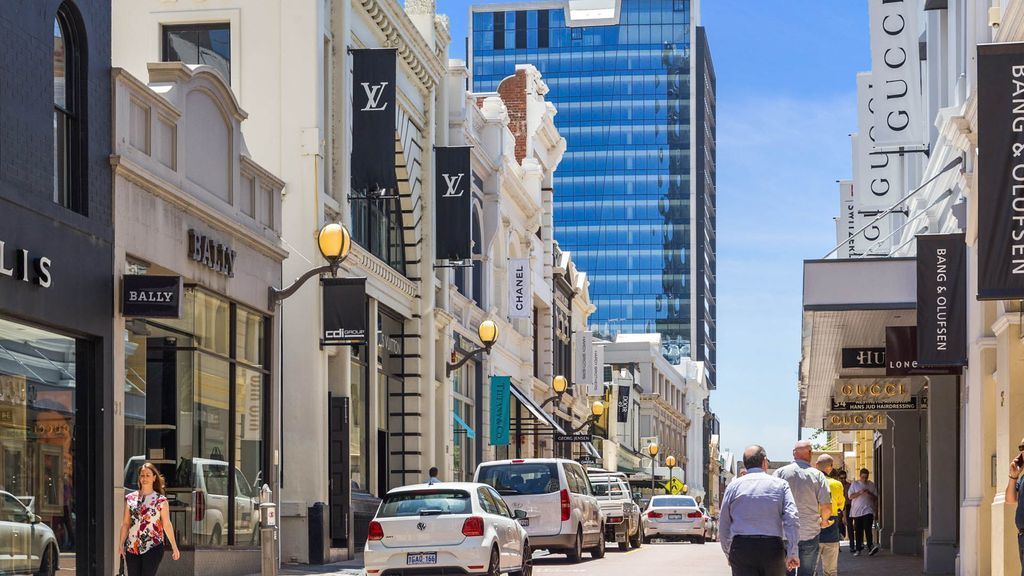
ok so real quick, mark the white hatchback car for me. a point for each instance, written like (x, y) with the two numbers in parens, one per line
(457, 527)
(674, 518)
(561, 512)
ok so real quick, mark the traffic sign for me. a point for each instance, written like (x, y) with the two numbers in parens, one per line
(675, 486)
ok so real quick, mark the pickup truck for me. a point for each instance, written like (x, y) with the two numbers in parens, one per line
(621, 515)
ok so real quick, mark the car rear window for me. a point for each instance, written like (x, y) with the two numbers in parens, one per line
(519, 479)
(681, 501)
(425, 502)
(612, 488)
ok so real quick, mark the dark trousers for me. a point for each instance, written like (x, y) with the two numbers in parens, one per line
(1020, 550)
(756, 556)
(145, 564)
(863, 529)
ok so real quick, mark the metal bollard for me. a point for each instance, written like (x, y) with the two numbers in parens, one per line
(268, 534)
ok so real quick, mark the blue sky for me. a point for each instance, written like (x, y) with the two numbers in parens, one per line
(786, 105)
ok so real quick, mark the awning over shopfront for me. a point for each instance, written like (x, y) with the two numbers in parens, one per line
(536, 420)
(848, 303)
(470, 433)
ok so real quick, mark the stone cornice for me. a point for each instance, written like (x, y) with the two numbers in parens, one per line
(400, 33)
(359, 258)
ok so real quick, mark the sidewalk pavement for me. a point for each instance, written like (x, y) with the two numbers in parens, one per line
(352, 567)
(881, 563)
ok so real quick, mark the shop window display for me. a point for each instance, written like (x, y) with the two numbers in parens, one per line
(194, 406)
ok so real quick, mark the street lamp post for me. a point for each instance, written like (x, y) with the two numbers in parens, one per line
(670, 461)
(488, 333)
(652, 449)
(335, 243)
(559, 384)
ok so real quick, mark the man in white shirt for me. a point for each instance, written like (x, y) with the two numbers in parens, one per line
(864, 498)
(813, 501)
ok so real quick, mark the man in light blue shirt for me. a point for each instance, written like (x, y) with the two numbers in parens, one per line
(813, 503)
(758, 525)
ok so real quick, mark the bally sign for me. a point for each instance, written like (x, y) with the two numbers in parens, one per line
(454, 203)
(373, 120)
(344, 312)
(520, 295)
(214, 255)
(941, 300)
(151, 296)
(1000, 171)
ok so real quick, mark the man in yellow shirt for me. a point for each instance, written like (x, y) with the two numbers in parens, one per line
(829, 539)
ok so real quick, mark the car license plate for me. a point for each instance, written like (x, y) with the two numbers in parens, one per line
(524, 521)
(675, 516)
(421, 558)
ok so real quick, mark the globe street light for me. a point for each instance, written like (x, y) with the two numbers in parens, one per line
(488, 333)
(670, 461)
(559, 384)
(334, 243)
(652, 449)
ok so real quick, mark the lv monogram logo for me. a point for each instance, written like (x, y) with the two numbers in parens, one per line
(373, 95)
(453, 183)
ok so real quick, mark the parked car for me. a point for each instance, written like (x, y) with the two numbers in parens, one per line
(710, 526)
(209, 481)
(561, 513)
(674, 518)
(621, 515)
(27, 545)
(448, 527)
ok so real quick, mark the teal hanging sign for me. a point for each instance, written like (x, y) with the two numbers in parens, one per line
(501, 394)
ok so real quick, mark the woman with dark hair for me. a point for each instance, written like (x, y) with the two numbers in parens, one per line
(146, 524)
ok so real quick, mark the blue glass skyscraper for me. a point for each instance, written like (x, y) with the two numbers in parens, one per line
(634, 195)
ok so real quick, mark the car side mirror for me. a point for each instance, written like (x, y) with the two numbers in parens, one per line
(34, 519)
(519, 513)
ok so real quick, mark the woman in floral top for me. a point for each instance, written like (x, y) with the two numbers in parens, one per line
(146, 524)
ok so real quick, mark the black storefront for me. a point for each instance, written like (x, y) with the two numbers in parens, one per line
(56, 281)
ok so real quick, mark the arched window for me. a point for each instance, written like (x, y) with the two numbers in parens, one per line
(68, 105)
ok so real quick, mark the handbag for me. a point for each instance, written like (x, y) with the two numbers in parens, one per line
(123, 569)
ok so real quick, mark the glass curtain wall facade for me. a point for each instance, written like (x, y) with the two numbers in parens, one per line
(623, 190)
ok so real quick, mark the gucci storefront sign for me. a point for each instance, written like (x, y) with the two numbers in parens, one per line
(868, 420)
(21, 265)
(214, 255)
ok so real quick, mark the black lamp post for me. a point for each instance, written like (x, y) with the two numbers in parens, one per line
(652, 449)
(335, 243)
(488, 333)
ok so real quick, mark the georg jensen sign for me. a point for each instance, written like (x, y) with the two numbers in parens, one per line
(19, 264)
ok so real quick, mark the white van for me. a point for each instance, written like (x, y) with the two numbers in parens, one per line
(561, 512)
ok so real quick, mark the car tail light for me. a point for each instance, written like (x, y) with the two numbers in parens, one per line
(655, 515)
(376, 531)
(614, 519)
(473, 526)
(200, 505)
(518, 461)
(566, 509)
(694, 515)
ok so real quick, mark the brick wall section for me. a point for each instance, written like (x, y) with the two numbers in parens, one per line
(513, 92)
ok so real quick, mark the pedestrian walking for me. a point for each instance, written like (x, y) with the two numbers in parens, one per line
(829, 537)
(757, 523)
(432, 476)
(864, 506)
(813, 501)
(146, 525)
(1015, 495)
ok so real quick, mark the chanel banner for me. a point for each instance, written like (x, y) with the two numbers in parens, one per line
(1000, 172)
(896, 73)
(941, 300)
(520, 296)
(454, 203)
(373, 120)
(622, 408)
(344, 312)
(151, 296)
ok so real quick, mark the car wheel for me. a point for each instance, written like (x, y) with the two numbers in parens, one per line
(215, 537)
(698, 540)
(494, 568)
(576, 554)
(48, 563)
(636, 540)
(598, 552)
(527, 569)
(624, 545)
(645, 538)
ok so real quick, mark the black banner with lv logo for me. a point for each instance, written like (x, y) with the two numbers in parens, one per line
(454, 203)
(373, 120)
